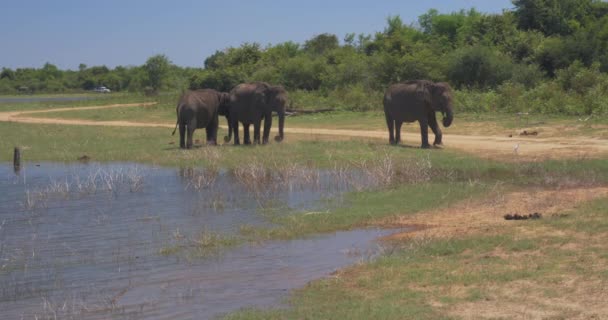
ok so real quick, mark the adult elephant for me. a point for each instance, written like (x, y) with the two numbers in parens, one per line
(200, 109)
(252, 102)
(418, 100)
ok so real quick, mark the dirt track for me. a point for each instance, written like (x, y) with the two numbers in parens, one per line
(504, 148)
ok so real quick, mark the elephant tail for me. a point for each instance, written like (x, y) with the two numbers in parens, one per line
(175, 128)
(176, 123)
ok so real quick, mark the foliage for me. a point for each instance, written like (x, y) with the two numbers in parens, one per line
(157, 68)
(508, 61)
(478, 67)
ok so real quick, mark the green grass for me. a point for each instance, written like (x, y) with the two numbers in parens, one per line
(428, 280)
(361, 209)
(157, 146)
(416, 281)
(466, 123)
(114, 98)
(204, 244)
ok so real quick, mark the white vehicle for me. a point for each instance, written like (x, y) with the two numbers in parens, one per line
(102, 90)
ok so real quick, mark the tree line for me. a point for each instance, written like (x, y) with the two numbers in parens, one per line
(544, 55)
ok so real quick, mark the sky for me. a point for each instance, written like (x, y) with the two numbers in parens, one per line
(127, 32)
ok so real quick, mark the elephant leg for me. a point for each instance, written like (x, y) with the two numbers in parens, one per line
(424, 132)
(182, 135)
(436, 129)
(191, 128)
(235, 129)
(267, 125)
(256, 131)
(390, 123)
(398, 125)
(246, 137)
(212, 132)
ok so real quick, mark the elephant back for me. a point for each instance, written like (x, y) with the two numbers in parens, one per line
(407, 93)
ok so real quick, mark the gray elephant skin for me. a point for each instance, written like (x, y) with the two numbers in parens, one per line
(418, 100)
(200, 109)
(250, 103)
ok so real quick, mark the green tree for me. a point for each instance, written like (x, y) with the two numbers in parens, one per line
(157, 69)
(479, 67)
(553, 17)
(7, 74)
(321, 44)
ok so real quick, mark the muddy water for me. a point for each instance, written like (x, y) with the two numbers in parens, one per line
(83, 241)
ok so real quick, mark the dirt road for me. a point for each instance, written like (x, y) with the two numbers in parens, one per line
(504, 148)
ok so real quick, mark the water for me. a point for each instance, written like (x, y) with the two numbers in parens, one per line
(27, 99)
(83, 241)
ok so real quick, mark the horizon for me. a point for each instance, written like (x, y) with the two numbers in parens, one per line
(68, 33)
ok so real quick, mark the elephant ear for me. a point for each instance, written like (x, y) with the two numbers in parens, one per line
(442, 94)
(260, 93)
(425, 90)
(224, 98)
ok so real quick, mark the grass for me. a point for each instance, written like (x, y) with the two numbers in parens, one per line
(157, 146)
(93, 100)
(533, 263)
(204, 244)
(361, 209)
(465, 123)
(515, 271)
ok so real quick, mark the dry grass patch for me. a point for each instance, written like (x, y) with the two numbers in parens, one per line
(573, 298)
(475, 216)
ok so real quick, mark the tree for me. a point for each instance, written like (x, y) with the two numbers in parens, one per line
(479, 67)
(553, 17)
(213, 61)
(49, 72)
(157, 69)
(321, 44)
(8, 74)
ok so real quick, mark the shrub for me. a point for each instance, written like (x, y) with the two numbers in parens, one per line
(478, 67)
(467, 100)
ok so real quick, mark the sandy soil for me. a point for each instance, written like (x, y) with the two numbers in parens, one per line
(497, 147)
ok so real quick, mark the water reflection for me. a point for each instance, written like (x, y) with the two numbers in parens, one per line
(84, 241)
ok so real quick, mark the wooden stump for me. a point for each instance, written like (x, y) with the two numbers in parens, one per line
(17, 159)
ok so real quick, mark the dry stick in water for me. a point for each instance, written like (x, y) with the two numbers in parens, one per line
(17, 159)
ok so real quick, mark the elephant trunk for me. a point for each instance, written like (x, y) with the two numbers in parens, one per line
(281, 135)
(448, 117)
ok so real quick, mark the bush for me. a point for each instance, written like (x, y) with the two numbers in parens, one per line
(474, 100)
(6, 87)
(511, 98)
(352, 98)
(221, 80)
(308, 100)
(357, 98)
(302, 72)
(479, 67)
(527, 75)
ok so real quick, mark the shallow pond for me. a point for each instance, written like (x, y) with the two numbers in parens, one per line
(86, 241)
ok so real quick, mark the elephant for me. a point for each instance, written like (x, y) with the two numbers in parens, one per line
(252, 102)
(418, 100)
(200, 109)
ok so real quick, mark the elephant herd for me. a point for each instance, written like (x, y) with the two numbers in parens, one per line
(250, 103)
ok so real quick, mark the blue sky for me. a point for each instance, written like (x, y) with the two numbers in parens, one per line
(127, 32)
